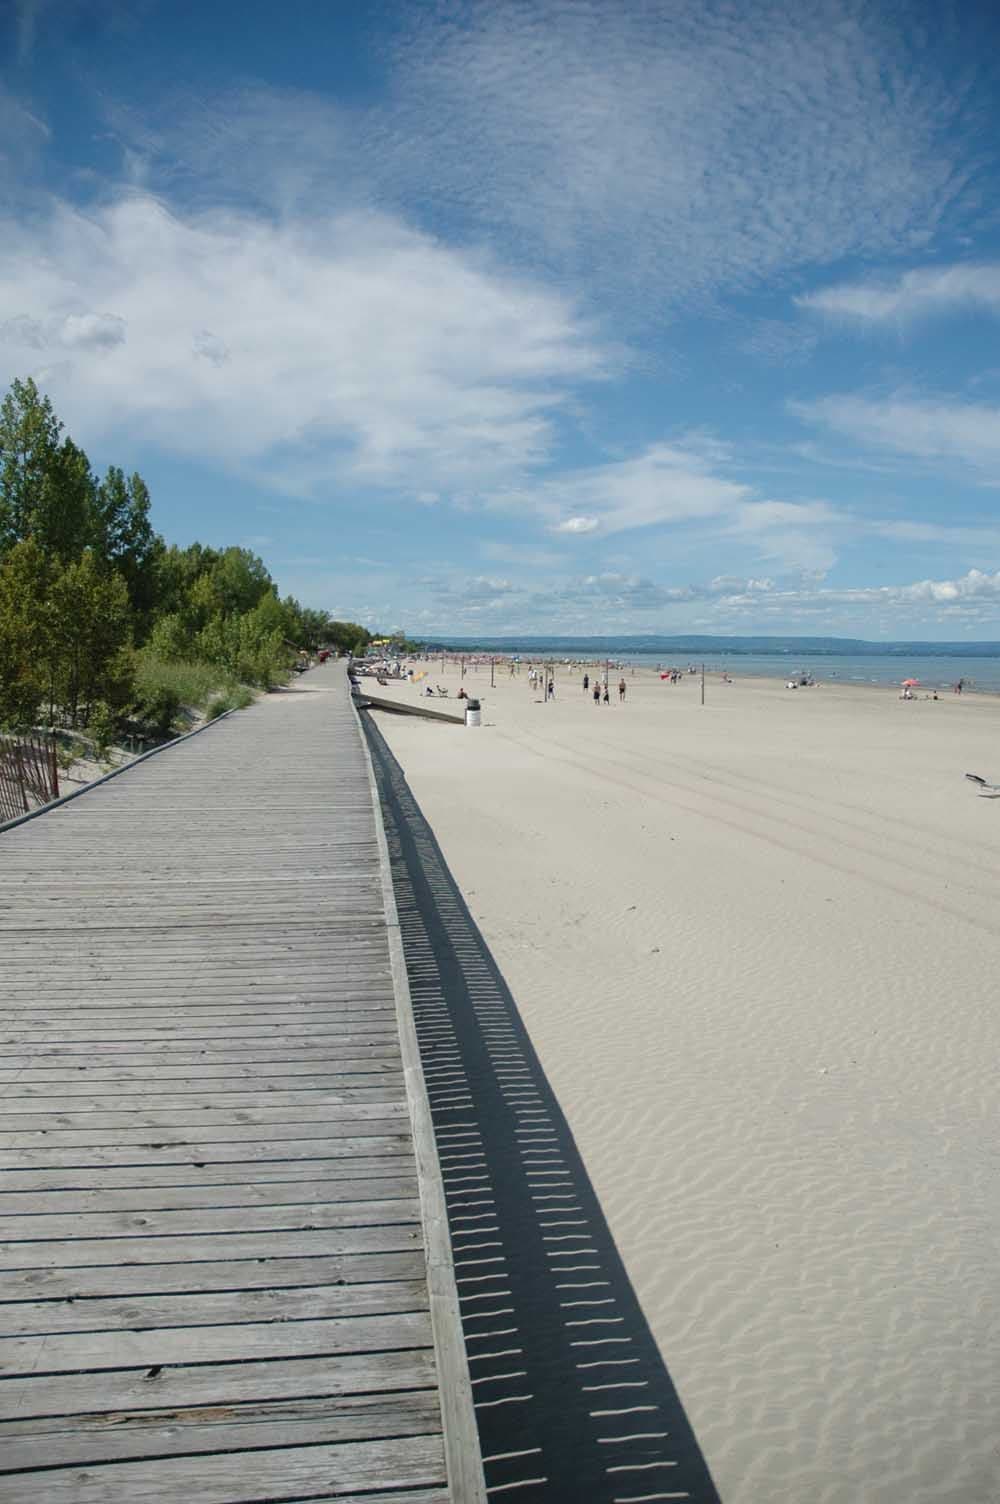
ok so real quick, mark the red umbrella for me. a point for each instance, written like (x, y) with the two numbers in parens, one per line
(910, 683)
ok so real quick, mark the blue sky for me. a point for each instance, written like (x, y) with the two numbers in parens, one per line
(644, 316)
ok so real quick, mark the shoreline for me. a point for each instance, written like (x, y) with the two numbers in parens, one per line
(945, 686)
(568, 675)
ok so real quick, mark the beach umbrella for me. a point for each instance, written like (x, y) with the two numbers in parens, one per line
(910, 683)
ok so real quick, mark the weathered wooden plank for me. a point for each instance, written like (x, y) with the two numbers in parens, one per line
(214, 1384)
(331, 1028)
(199, 1221)
(290, 1243)
(276, 1147)
(306, 1191)
(228, 1308)
(217, 1344)
(251, 1124)
(199, 1017)
(234, 1478)
(142, 1179)
(62, 1441)
(215, 1061)
(221, 1007)
(25, 1110)
(39, 1085)
(245, 1273)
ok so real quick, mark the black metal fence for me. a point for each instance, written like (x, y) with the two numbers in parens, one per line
(29, 774)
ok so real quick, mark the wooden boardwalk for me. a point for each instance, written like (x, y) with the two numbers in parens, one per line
(224, 1268)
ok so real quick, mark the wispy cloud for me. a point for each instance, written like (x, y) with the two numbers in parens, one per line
(964, 433)
(917, 294)
(726, 603)
(665, 483)
(341, 347)
(692, 145)
(975, 593)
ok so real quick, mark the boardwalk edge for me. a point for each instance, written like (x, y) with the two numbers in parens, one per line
(466, 1480)
(44, 809)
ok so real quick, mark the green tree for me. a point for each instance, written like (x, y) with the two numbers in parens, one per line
(125, 538)
(170, 638)
(239, 580)
(176, 570)
(46, 487)
(253, 646)
(25, 576)
(307, 627)
(90, 636)
(348, 636)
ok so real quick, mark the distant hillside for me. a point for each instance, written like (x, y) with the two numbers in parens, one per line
(690, 645)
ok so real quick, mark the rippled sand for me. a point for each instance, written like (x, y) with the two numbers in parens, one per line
(757, 946)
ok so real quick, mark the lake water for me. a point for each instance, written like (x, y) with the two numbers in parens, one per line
(934, 672)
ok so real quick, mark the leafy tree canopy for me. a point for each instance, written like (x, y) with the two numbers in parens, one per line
(99, 618)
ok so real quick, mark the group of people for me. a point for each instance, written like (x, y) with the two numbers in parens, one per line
(602, 691)
(544, 682)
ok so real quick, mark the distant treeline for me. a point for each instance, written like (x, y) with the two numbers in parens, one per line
(102, 622)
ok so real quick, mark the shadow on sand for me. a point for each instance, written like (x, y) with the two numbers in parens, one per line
(573, 1400)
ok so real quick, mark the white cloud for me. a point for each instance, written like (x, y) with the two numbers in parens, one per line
(916, 294)
(619, 601)
(793, 535)
(92, 331)
(685, 146)
(307, 351)
(976, 593)
(924, 428)
(577, 525)
(688, 145)
(667, 483)
(74, 331)
(23, 333)
(210, 347)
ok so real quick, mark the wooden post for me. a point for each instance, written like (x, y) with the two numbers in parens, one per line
(21, 783)
(703, 684)
(492, 684)
(462, 675)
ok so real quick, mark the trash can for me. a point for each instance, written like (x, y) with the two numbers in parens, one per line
(473, 715)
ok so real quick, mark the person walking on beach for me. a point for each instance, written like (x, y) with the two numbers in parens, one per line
(597, 692)
(586, 683)
(621, 690)
(552, 689)
(606, 697)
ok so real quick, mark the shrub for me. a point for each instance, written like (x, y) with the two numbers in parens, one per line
(163, 690)
(101, 727)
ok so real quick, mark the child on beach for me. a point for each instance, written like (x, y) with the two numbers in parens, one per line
(621, 689)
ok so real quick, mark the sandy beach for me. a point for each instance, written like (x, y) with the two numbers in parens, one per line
(756, 945)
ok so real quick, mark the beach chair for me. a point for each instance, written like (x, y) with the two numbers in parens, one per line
(442, 691)
(984, 789)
